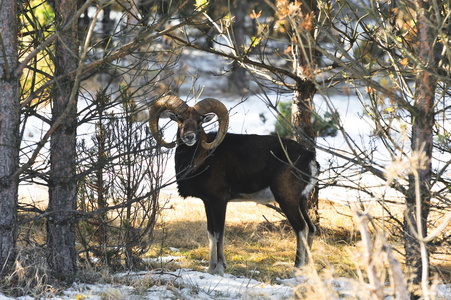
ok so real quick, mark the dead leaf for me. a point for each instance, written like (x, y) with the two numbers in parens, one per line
(255, 15)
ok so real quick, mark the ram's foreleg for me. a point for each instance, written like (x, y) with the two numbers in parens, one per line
(216, 211)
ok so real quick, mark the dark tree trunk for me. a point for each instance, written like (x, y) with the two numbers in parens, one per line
(9, 133)
(302, 106)
(62, 185)
(301, 113)
(422, 133)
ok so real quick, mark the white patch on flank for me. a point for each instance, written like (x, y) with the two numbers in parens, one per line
(264, 196)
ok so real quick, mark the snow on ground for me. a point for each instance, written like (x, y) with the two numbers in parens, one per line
(189, 284)
(181, 284)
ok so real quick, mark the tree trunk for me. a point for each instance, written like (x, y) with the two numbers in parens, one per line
(302, 106)
(422, 133)
(62, 185)
(301, 113)
(9, 133)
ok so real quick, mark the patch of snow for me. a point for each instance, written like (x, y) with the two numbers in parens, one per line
(163, 259)
(181, 284)
(444, 291)
(189, 284)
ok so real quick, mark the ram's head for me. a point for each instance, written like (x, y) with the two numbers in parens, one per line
(190, 120)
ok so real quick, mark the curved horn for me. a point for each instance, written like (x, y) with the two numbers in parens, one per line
(215, 106)
(172, 103)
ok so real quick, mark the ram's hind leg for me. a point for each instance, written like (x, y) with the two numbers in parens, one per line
(288, 193)
(300, 228)
(216, 212)
(306, 193)
(309, 234)
(311, 227)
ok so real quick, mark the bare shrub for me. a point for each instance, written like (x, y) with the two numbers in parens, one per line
(119, 195)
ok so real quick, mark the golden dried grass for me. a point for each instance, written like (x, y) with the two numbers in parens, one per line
(259, 242)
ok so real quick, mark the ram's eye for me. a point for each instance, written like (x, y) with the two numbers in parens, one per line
(208, 117)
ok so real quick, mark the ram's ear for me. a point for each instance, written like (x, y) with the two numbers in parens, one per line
(208, 117)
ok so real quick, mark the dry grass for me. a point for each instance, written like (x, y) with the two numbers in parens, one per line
(260, 244)
(30, 276)
(258, 241)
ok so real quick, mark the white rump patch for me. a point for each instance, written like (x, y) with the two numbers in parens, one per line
(313, 179)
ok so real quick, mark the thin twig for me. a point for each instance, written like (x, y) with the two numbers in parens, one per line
(375, 285)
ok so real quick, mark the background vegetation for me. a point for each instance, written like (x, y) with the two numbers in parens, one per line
(77, 67)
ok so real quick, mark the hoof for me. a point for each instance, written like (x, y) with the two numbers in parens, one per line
(217, 269)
